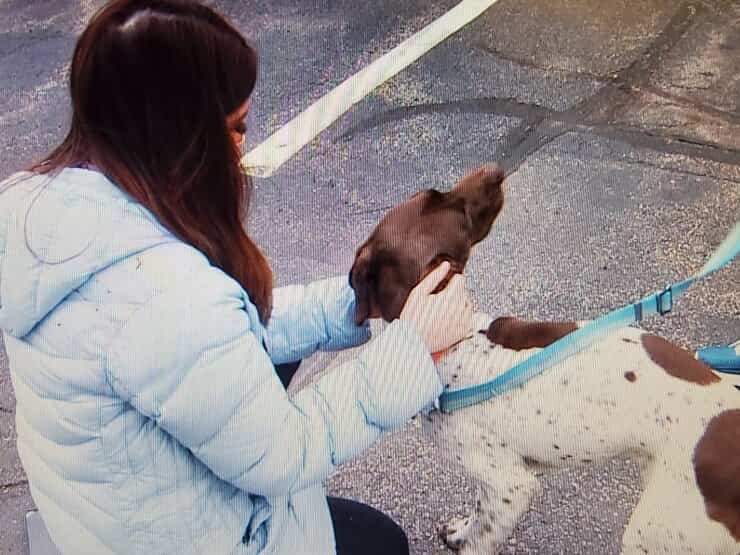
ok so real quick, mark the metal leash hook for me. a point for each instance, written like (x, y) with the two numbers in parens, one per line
(660, 302)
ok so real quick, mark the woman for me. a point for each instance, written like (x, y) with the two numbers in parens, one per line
(143, 332)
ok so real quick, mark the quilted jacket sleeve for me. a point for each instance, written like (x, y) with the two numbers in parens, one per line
(317, 316)
(193, 365)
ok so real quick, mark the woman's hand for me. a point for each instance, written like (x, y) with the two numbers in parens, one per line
(442, 319)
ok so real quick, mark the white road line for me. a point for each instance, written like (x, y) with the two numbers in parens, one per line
(279, 147)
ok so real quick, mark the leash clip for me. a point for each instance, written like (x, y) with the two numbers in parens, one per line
(665, 305)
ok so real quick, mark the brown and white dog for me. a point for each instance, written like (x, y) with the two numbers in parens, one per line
(632, 392)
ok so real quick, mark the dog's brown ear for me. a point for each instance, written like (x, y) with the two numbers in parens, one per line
(360, 281)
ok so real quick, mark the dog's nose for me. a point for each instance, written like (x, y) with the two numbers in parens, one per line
(493, 175)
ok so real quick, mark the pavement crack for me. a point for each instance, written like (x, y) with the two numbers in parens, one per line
(517, 147)
(28, 37)
(657, 142)
(610, 100)
(733, 117)
(715, 176)
(689, 141)
(532, 65)
(510, 107)
(15, 484)
(540, 125)
(690, 87)
(640, 70)
(371, 210)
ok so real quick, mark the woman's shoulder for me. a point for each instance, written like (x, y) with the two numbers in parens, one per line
(118, 240)
(71, 182)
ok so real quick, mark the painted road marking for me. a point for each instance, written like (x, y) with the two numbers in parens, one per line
(279, 147)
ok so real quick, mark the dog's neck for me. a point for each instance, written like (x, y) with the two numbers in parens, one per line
(488, 362)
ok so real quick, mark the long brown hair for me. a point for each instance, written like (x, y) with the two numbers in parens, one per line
(152, 85)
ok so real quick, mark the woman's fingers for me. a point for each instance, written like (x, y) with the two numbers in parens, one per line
(441, 319)
(430, 282)
(461, 308)
(455, 290)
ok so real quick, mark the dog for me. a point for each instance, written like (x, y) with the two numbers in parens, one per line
(631, 393)
(418, 235)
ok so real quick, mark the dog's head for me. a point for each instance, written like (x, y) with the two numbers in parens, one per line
(417, 235)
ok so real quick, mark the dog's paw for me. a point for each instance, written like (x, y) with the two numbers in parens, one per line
(454, 533)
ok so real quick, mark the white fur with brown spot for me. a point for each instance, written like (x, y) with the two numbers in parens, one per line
(605, 401)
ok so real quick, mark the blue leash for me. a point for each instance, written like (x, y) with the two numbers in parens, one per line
(657, 303)
(723, 358)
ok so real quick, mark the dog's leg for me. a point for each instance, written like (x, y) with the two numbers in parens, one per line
(505, 490)
(670, 516)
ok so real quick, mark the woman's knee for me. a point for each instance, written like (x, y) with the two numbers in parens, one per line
(362, 530)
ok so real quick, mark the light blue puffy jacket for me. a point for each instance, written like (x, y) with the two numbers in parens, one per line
(149, 415)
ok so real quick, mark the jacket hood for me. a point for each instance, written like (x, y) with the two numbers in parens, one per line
(56, 232)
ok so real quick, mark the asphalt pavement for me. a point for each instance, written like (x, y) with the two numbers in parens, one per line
(619, 126)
